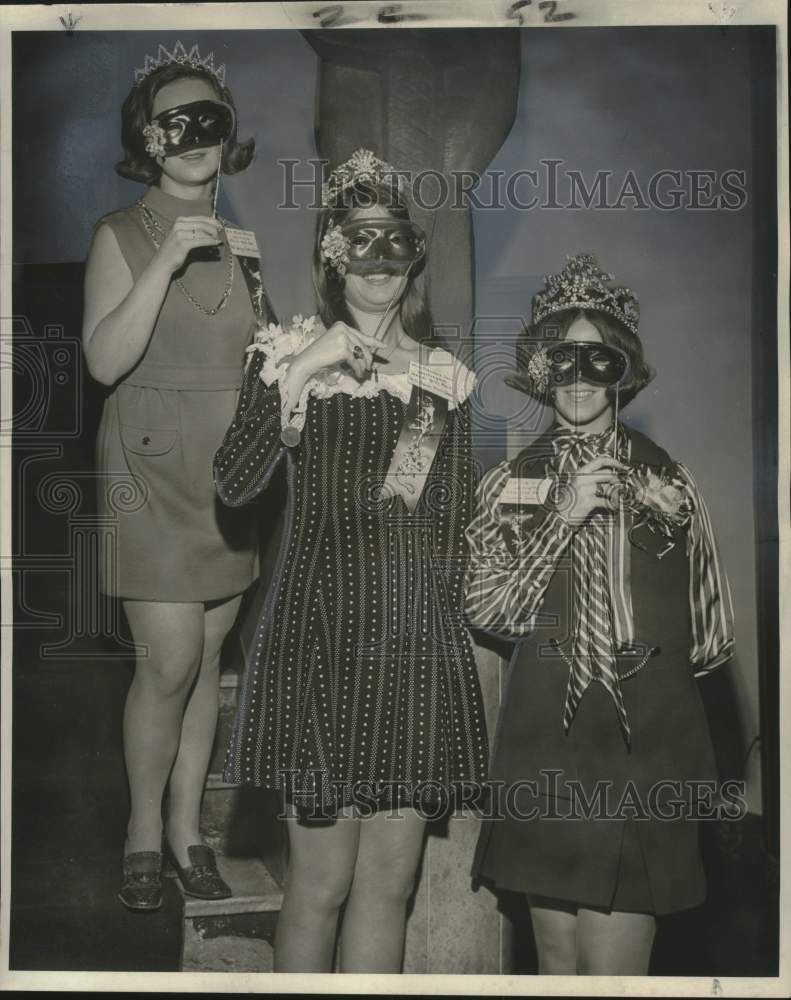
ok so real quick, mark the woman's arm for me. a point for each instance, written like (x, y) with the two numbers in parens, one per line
(504, 590)
(450, 492)
(120, 314)
(711, 609)
(251, 448)
(281, 365)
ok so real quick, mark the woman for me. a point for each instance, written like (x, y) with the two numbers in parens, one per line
(612, 587)
(362, 692)
(167, 320)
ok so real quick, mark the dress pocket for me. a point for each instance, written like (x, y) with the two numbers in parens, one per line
(148, 440)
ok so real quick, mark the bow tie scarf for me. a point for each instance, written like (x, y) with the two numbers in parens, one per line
(602, 619)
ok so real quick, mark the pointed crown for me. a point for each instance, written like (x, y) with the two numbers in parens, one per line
(180, 55)
(583, 285)
(362, 167)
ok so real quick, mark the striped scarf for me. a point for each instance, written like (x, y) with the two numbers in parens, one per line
(602, 615)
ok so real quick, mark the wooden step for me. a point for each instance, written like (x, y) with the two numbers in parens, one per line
(236, 934)
(254, 890)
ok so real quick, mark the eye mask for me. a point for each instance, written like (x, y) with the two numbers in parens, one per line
(374, 245)
(561, 363)
(197, 125)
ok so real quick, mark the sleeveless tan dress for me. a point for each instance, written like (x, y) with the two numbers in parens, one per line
(168, 537)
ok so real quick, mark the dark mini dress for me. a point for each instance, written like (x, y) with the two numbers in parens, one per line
(168, 537)
(362, 674)
(634, 861)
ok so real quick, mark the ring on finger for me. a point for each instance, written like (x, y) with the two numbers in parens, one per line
(357, 352)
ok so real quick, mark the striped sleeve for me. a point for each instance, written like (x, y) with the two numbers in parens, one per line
(710, 604)
(504, 589)
(251, 448)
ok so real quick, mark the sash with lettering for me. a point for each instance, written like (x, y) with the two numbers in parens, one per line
(421, 432)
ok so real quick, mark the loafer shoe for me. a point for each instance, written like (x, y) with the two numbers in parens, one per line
(141, 886)
(200, 878)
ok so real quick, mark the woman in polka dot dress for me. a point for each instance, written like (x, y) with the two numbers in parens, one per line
(361, 689)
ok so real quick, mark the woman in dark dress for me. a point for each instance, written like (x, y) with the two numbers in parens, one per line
(362, 687)
(593, 550)
(166, 328)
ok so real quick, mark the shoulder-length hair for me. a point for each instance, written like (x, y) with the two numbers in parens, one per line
(413, 306)
(613, 332)
(137, 165)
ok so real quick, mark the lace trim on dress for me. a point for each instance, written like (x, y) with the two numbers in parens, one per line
(281, 345)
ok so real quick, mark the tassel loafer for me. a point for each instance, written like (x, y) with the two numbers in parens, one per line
(200, 878)
(141, 888)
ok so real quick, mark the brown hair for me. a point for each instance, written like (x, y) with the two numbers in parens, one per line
(329, 285)
(137, 165)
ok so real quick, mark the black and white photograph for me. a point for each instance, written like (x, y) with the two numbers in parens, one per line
(395, 497)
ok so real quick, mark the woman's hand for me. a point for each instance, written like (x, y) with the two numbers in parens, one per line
(187, 233)
(593, 486)
(340, 344)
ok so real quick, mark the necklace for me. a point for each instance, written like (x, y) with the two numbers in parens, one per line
(154, 230)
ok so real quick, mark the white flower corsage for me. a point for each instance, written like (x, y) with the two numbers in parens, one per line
(660, 501)
(155, 139)
(335, 249)
(538, 369)
(279, 347)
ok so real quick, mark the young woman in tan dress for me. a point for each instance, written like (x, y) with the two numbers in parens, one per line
(166, 327)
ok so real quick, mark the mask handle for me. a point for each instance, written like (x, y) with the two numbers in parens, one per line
(217, 181)
(390, 303)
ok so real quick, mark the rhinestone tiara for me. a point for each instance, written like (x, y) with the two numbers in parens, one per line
(180, 55)
(583, 285)
(363, 166)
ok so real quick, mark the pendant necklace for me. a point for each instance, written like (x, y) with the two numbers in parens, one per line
(156, 234)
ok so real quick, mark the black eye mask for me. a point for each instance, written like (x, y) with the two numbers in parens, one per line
(562, 363)
(366, 246)
(197, 125)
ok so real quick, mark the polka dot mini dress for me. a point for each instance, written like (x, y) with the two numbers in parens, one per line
(361, 682)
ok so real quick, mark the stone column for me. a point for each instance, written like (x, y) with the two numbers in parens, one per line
(439, 100)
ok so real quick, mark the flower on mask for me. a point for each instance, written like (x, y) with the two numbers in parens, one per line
(538, 369)
(335, 249)
(155, 139)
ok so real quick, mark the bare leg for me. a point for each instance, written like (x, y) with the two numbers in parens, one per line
(320, 870)
(154, 708)
(555, 930)
(188, 777)
(372, 939)
(614, 944)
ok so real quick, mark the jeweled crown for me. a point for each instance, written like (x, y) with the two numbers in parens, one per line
(583, 285)
(180, 55)
(362, 167)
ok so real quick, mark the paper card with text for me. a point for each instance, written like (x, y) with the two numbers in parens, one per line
(524, 492)
(433, 379)
(242, 242)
